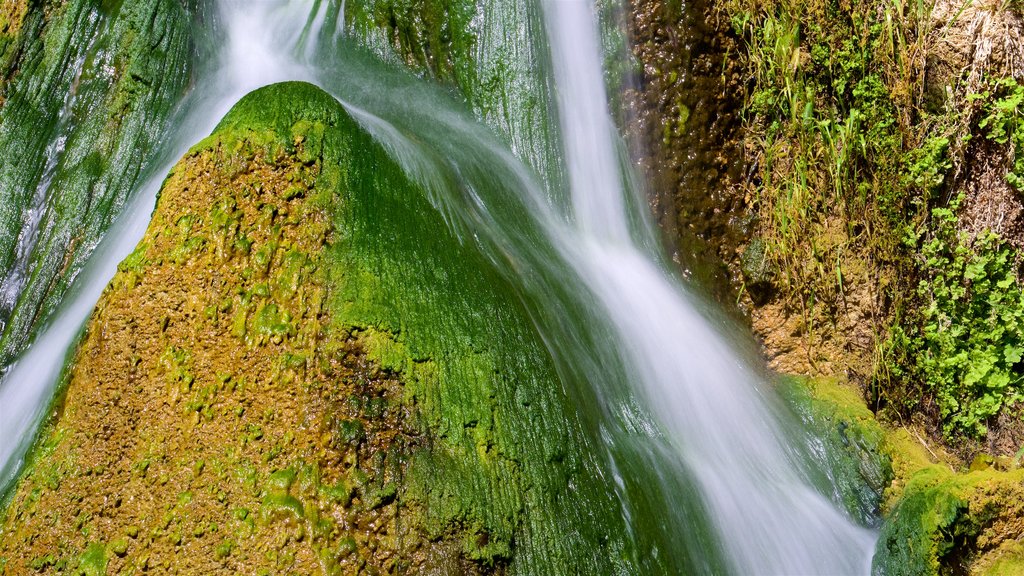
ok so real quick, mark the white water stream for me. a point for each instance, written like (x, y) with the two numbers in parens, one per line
(770, 520)
(709, 402)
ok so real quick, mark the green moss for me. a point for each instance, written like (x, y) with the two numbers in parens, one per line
(283, 503)
(281, 480)
(857, 452)
(937, 521)
(946, 521)
(272, 322)
(416, 300)
(119, 547)
(1009, 562)
(224, 550)
(93, 561)
(135, 261)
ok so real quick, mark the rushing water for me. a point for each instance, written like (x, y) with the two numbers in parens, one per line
(706, 476)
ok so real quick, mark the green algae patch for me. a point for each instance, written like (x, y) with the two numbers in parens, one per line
(856, 448)
(335, 394)
(934, 520)
(93, 561)
(947, 523)
(88, 87)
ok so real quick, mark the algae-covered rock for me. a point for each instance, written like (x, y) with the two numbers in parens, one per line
(758, 271)
(484, 49)
(949, 523)
(86, 89)
(300, 371)
(854, 446)
(933, 520)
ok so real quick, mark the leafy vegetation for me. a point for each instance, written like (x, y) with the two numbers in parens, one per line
(853, 178)
(1001, 122)
(845, 163)
(966, 346)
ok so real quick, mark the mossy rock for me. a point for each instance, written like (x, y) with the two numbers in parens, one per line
(856, 449)
(758, 271)
(933, 520)
(101, 78)
(948, 523)
(353, 373)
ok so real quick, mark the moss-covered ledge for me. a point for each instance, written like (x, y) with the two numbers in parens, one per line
(936, 516)
(298, 371)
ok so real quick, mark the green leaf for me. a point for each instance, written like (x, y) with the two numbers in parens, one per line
(1013, 353)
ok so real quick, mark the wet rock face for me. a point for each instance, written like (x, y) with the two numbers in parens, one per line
(214, 422)
(86, 90)
(684, 103)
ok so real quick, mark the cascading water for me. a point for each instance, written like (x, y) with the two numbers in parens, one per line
(706, 479)
(771, 521)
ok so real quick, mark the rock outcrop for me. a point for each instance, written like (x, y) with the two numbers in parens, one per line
(299, 371)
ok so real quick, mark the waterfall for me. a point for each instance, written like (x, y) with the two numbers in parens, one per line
(705, 477)
(768, 519)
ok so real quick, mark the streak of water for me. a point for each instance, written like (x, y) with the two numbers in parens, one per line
(14, 282)
(769, 519)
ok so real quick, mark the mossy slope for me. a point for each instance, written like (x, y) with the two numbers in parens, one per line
(300, 371)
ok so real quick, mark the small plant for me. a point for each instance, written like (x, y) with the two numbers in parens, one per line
(927, 167)
(967, 346)
(1002, 123)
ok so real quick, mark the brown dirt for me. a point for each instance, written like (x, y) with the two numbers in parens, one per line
(827, 343)
(214, 422)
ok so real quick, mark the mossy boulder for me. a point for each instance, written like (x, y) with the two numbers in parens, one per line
(758, 271)
(948, 523)
(932, 519)
(300, 370)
